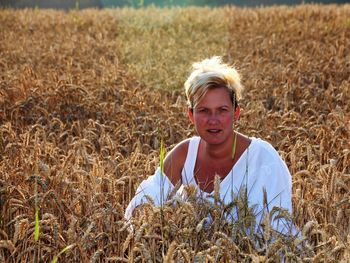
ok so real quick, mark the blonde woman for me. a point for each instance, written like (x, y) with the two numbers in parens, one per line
(213, 90)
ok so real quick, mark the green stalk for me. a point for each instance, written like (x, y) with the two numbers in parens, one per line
(161, 157)
(54, 260)
(37, 226)
(161, 165)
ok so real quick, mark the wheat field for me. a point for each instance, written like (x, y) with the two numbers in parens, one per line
(86, 97)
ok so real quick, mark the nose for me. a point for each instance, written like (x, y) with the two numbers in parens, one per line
(213, 118)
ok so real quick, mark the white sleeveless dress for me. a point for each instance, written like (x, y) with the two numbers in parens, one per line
(259, 167)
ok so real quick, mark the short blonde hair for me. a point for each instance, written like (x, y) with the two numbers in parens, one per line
(209, 74)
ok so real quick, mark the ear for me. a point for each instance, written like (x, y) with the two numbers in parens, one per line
(237, 113)
(190, 114)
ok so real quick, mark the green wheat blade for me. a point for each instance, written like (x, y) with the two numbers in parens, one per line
(54, 260)
(37, 227)
(161, 157)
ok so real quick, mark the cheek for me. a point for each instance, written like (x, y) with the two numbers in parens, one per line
(228, 123)
(227, 120)
(200, 120)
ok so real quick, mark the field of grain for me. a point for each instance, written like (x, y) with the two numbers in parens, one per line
(87, 96)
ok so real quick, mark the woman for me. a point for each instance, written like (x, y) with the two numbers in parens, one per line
(213, 90)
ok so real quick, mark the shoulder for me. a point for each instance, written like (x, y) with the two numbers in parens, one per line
(263, 149)
(179, 151)
(174, 161)
(266, 158)
(264, 154)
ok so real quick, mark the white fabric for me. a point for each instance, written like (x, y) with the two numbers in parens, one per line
(259, 167)
(187, 175)
(151, 188)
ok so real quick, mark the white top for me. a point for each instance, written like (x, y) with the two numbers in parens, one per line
(259, 167)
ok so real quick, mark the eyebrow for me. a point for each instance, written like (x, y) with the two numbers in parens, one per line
(221, 106)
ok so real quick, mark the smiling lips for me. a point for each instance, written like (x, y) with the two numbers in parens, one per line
(213, 131)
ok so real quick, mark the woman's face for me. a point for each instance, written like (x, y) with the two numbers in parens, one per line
(213, 116)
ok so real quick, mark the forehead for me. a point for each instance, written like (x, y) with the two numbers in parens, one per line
(216, 97)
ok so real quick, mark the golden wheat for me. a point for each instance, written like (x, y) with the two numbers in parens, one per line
(80, 116)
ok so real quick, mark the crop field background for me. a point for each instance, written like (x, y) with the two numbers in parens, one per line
(86, 96)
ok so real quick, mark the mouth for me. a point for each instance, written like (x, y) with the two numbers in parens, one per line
(214, 131)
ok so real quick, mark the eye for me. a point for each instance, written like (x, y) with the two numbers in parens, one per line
(203, 110)
(223, 109)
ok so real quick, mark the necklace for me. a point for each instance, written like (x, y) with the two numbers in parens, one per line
(234, 146)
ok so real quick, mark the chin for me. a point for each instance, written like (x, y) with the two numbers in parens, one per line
(216, 139)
